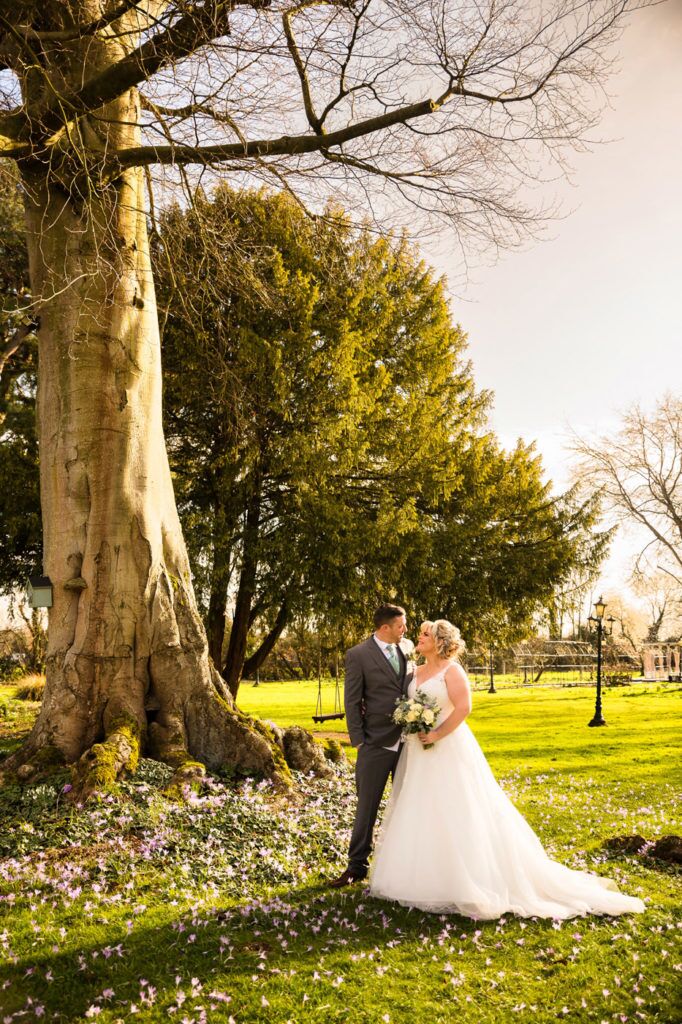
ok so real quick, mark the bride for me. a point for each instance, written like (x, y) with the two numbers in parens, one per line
(451, 840)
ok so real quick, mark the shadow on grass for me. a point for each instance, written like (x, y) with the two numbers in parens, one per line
(647, 693)
(222, 948)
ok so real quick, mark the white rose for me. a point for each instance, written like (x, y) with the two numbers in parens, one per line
(413, 715)
(428, 716)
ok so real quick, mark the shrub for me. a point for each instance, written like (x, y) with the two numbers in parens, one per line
(10, 671)
(31, 688)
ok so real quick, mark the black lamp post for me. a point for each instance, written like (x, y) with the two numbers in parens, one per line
(491, 670)
(598, 620)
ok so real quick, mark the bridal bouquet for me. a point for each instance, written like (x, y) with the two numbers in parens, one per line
(416, 714)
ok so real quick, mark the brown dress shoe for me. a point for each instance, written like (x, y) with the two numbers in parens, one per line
(347, 878)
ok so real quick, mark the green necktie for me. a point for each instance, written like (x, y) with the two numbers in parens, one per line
(393, 658)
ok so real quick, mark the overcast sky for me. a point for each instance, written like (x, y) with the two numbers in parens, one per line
(589, 321)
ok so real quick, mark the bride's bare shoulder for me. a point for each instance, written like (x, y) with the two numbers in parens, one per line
(456, 674)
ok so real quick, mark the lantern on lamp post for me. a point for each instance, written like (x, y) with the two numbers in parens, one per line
(598, 620)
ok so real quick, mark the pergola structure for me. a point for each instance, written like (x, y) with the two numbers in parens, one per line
(662, 661)
(573, 659)
(533, 657)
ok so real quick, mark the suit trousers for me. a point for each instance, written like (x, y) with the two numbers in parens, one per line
(372, 769)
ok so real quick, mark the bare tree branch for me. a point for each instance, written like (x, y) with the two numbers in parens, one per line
(191, 31)
(313, 120)
(285, 145)
(80, 31)
(639, 472)
(16, 341)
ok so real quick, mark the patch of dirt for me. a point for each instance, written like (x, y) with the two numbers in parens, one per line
(666, 848)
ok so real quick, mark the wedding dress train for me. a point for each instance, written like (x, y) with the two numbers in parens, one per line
(453, 842)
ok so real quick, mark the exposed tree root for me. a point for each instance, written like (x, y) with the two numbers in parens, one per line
(303, 753)
(99, 715)
(103, 764)
(35, 764)
(208, 732)
(188, 778)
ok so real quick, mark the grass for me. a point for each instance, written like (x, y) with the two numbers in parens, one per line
(294, 702)
(137, 909)
(31, 687)
(533, 728)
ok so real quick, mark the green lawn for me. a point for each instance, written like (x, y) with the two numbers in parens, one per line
(533, 728)
(137, 909)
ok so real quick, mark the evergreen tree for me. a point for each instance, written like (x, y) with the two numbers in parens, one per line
(308, 407)
(327, 440)
(20, 527)
(496, 547)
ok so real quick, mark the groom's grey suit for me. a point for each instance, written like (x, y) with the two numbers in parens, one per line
(371, 689)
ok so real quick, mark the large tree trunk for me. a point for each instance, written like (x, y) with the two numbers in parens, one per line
(127, 659)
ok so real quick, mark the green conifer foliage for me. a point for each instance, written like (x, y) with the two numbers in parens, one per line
(328, 442)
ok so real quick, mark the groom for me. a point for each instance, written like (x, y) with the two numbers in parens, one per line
(377, 675)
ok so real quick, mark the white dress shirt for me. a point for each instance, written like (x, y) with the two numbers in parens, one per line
(384, 649)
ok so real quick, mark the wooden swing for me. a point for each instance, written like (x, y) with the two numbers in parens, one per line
(338, 708)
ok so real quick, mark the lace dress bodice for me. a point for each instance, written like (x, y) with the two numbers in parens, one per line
(436, 687)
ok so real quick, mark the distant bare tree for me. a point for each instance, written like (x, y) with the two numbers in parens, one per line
(663, 596)
(443, 106)
(630, 621)
(638, 471)
(570, 605)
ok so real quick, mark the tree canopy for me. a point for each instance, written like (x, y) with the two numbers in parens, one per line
(307, 409)
(327, 440)
(20, 529)
(498, 546)
(450, 106)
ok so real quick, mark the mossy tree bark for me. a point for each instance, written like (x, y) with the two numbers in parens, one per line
(127, 660)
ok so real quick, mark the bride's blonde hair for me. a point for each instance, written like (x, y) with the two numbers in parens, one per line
(447, 638)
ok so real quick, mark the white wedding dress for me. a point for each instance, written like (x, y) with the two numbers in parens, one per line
(452, 842)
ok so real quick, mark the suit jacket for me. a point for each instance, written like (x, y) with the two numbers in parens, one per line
(371, 689)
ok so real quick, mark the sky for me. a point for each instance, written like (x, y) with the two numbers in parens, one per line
(583, 324)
